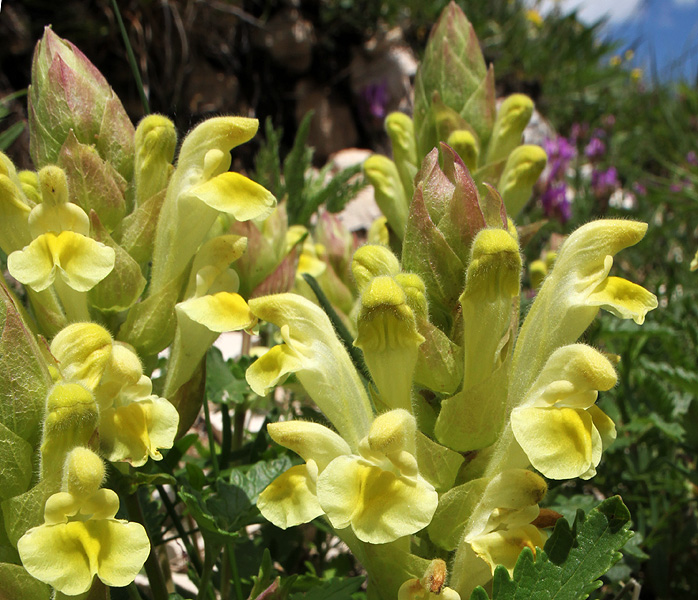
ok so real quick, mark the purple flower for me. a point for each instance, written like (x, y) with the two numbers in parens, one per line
(595, 148)
(692, 158)
(639, 189)
(560, 152)
(604, 182)
(374, 97)
(555, 202)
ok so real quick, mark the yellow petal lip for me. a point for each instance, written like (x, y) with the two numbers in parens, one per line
(379, 505)
(623, 299)
(80, 261)
(272, 368)
(219, 312)
(290, 499)
(236, 195)
(138, 430)
(557, 441)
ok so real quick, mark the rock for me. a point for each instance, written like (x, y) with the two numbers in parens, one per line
(332, 127)
(289, 39)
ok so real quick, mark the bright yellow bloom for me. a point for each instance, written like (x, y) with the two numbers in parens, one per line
(378, 491)
(558, 425)
(80, 537)
(134, 424)
(61, 245)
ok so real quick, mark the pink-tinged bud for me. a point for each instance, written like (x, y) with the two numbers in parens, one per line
(69, 93)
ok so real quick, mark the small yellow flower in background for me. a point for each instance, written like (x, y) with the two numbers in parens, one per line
(636, 74)
(615, 61)
(629, 55)
(80, 537)
(694, 262)
(534, 17)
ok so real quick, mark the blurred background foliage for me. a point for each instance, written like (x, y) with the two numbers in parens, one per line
(277, 59)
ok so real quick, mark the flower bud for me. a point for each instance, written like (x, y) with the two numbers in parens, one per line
(400, 128)
(383, 175)
(523, 167)
(82, 351)
(71, 420)
(156, 139)
(69, 93)
(83, 472)
(466, 146)
(389, 340)
(512, 117)
(372, 261)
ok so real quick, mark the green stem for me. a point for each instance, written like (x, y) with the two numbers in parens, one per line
(207, 570)
(234, 568)
(227, 441)
(74, 303)
(176, 521)
(131, 59)
(211, 440)
(152, 566)
(133, 592)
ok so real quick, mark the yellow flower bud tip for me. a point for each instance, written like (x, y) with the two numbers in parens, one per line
(82, 351)
(29, 178)
(372, 261)
(66, 398)
(53, 184)
(400, 126)
(466, 146)
(517, 108)
(393, 432)
(524, 165)
(495, 264)
(83, 473)
(382, 292)
(156, 134)
(415, 292)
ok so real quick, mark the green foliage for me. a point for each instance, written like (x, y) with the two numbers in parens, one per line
(9, 135)
(303, 190)
(571, 562)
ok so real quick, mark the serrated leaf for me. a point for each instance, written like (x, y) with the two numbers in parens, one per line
(573, 559)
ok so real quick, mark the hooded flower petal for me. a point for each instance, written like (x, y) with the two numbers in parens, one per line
(571, 295)
(320, 361)
(379, 505)
(504, 547)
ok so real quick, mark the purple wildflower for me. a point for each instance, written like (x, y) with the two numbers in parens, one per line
(595, 148)
(375, 98)
(639, 189)
(692, 158)
(555, 202)
(604, 182)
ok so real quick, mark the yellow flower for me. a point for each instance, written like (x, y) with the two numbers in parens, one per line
(378, 491)
(134, 424)
(430, 586)
(558, 425)
(322, 365)
(61, 245)
(80, 537)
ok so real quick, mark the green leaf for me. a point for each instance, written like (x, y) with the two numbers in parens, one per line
(225, 380)
(334, 589)
(296, 164)
(15, 463)
(254, 479)
(16, 583)
(573, 559)
(10, 134)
